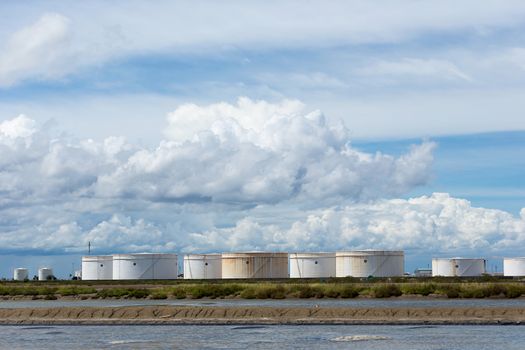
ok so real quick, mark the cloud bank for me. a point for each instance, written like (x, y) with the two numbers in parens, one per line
(243, 176)
(433, 224)
(253, 152)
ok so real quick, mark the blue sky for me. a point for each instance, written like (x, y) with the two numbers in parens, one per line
(273, 125)
(485, 168)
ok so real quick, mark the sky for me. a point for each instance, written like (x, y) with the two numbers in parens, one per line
(295, 126)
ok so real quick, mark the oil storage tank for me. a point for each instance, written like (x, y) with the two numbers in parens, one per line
(254, 265)
(144, 266)
(20, 274)
(97, 267)
(365, 263)
(202, 266)
(45, 273)
(458, 267)
(312, 265)
(514, 266)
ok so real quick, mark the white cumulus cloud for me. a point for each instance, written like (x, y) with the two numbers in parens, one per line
(19, 129)
(428, 225)
(230, 158)
(433, 224)
(259, 152)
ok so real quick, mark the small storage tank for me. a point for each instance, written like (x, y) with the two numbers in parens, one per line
(20, 274)
(45, 273)
(97, 267)
(365, 263)
(254, 265)
(312, 265)
(144, 266)
(202, 266)
(514, 266)
(458, 267)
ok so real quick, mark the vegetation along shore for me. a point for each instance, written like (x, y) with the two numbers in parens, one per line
(381, 288)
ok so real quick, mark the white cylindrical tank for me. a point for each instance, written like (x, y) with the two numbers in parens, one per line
(458, 267)
(202, 266)
(312, 265)
(442, 267)
(254, 265)
(45, 273)
(144, 266)
(98, 267)
(365, 263)
(20, 274)
(514, 266)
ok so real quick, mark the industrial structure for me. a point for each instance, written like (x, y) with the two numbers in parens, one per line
(312, 265)
(202, 266)
(423, 272)
(258, 265)
(45, 273)
(20, 274)
(97, 267)
(366, 263)
(458, 267)
(514, 267)
(144, 266)
(272, 265)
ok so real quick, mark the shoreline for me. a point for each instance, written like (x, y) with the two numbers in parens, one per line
(9, 298)
(214, 315)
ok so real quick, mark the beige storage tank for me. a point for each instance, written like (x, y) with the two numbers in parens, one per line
(202, 266)
(458, 267)
(312, 265)
(254, 265)
(365, 263)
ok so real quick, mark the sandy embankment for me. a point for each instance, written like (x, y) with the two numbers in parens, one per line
(260, 315)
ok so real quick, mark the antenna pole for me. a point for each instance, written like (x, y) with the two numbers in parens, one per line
(89, 247)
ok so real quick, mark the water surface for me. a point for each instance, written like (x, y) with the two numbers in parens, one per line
(263, 337)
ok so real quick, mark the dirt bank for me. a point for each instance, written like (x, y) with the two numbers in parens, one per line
(261, 315)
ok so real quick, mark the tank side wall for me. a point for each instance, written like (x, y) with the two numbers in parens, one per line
(312, 267)
(203, 268)
(236, 267)
(514, 267)
(89, 270)
(470, 267)
(343, 266)
(255, 266)
(20, 274)
(442, 267)
(105, 269)
(164, 268)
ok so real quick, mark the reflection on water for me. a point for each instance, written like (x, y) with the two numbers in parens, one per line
(286, 337)
(368, 303)
(360, 338)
